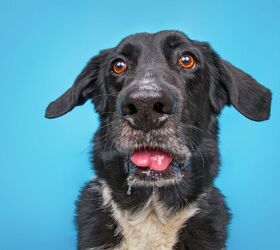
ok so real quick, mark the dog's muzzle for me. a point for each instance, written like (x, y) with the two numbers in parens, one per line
(147, 109)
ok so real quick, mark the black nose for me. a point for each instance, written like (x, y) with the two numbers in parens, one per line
(147, 110)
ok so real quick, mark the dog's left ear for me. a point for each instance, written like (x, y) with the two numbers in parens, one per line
(242, 91)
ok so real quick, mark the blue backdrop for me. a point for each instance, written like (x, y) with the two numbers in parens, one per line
(44, 163)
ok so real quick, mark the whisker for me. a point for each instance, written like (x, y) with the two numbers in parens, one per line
(194, 127)
(106, 125)
(201, 154)
(104, 95)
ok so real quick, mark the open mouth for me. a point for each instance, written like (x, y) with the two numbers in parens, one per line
(154, 167)
(155, 160)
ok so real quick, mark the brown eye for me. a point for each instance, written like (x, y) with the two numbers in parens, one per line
(187, 61)
(119, 67)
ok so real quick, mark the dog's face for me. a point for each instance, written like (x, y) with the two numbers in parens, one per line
(158, 96)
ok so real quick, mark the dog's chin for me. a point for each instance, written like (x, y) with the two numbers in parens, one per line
(139, 176)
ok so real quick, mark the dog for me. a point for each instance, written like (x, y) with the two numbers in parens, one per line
(155, 154)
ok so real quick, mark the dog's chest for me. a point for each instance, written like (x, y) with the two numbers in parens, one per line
(150, 228)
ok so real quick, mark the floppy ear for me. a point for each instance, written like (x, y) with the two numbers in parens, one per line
(242, 91)
(82, 89)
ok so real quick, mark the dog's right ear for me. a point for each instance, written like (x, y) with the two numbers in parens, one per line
(82, 89)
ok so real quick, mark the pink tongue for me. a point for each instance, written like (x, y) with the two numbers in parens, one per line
(153, 159)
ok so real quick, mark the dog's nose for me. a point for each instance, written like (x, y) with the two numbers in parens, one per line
(147, 110)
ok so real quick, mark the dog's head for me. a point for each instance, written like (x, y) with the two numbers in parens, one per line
(158, 96)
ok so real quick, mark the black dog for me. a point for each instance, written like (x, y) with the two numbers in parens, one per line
(155, 153)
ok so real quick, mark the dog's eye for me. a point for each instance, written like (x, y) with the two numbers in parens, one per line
(187, 61)
(119, 66)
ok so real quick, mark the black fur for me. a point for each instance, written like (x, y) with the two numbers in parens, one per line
(201, 94)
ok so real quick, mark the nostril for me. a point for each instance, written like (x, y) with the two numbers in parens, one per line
(129, 109)
(132, 109)
(159, 107)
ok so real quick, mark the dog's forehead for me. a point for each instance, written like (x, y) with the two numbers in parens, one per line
(149, 40)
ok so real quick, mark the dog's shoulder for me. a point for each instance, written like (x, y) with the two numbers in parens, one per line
(97, 227)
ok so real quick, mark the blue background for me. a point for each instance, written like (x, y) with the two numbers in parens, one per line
(44, 163)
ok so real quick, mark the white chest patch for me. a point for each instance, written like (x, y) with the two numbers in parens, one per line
(151, 228)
